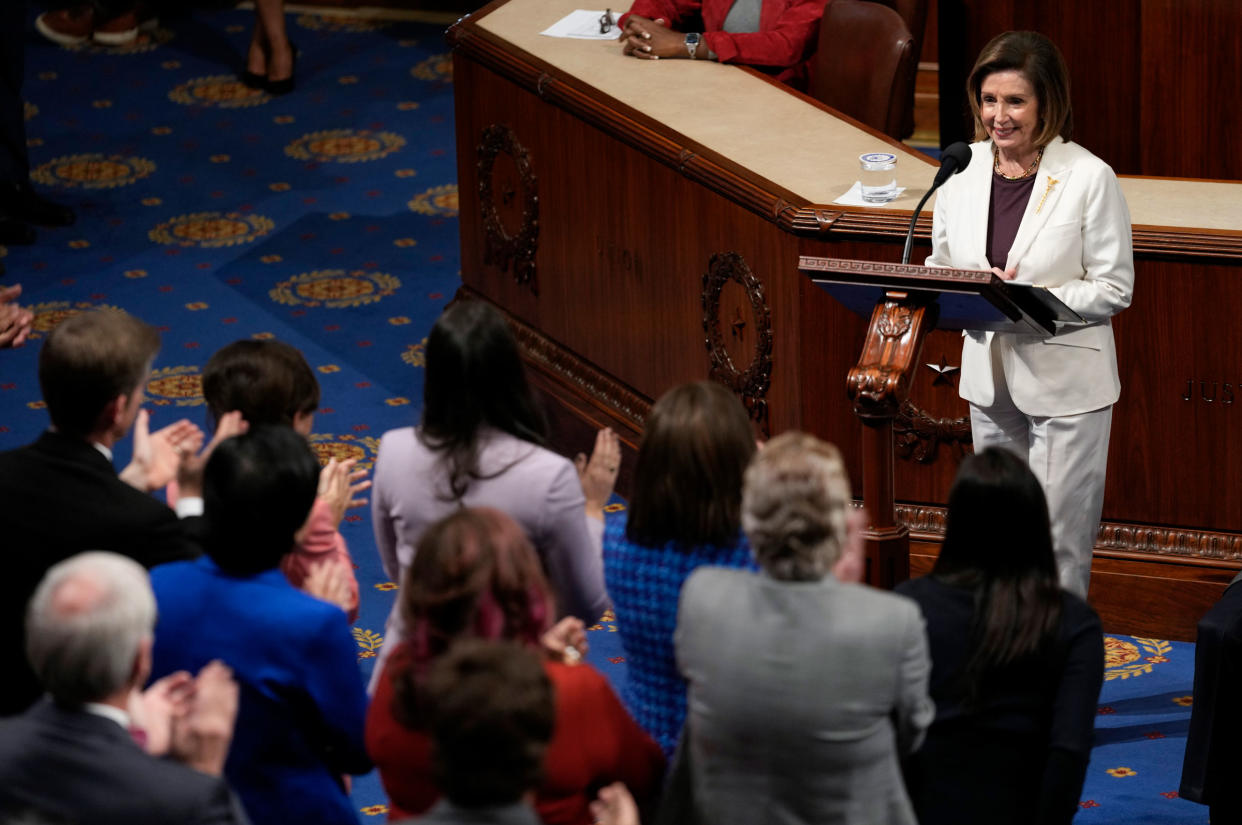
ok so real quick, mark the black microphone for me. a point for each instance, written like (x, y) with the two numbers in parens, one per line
(952, 160)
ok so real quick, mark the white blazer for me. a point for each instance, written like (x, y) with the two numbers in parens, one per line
(1075, 239)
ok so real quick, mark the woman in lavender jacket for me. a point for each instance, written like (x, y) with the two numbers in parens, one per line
(480, 445)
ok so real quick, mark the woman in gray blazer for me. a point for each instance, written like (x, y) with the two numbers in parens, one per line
(805, 689)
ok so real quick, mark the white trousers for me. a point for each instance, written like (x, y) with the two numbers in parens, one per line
(1069, 455)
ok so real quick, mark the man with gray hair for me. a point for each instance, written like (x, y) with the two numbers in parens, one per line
(75, 755)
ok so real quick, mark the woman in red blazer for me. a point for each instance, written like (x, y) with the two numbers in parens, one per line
(475, 574)
(778, 37)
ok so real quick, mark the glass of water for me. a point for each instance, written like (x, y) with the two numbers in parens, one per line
(878, 176)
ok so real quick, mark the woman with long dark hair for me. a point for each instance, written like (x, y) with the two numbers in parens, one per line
(684, 513)
(1017, 662)
(480, 443)
(475, 575)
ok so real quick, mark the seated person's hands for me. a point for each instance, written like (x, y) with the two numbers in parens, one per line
(651, 39)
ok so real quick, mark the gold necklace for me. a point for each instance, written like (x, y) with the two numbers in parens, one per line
(1030, 170)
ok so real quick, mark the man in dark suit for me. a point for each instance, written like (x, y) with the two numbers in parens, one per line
(62, 495)
(73, 756)
(1213, 756)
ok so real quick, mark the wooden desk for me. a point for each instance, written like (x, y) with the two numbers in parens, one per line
(641, 222)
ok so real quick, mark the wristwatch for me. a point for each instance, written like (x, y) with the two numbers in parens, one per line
(692, 43)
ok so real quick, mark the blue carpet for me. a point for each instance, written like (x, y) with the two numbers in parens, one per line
(327, 218)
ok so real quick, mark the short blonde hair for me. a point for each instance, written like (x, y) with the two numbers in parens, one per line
(794, 503)
(1040, 62)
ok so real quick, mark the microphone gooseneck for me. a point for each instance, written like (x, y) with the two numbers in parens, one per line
(952, 160)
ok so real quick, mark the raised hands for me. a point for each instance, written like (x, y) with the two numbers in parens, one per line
(615, 806)
(852, 564)
(598, 474)
(201, 736)
(566, 641)
(190, 469)
(331, 581)
(341, 485)
(189, 718)
(15, 322)
(158, 455)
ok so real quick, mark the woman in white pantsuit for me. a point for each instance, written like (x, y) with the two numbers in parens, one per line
(1036, 208)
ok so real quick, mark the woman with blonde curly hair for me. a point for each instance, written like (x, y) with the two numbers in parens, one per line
(803, 716)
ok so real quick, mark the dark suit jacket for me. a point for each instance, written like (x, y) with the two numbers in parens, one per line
(60, 496)
(1213, 756)
(86, 769)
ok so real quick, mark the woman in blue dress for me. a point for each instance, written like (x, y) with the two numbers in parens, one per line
(685, 513)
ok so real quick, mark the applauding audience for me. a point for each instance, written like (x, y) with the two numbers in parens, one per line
(61, 495)
(302, 707)
(269, 383)
(476, 575)
(490, 709)
(821, 684)
(479, 445)
(1017, 662)
(685, 512)
(75, 757)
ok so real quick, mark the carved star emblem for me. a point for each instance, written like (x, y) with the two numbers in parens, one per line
(944, 372)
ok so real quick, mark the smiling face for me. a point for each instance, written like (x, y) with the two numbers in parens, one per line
(1009, 111)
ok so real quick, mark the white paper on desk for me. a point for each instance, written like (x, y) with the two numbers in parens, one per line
(854, 196)
(583, 25)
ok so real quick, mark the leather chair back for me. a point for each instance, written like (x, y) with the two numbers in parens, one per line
(866, 65)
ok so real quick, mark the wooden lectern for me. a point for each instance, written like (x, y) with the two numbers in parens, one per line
(905, 302)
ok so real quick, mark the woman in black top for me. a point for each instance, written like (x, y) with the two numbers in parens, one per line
(1017, 663)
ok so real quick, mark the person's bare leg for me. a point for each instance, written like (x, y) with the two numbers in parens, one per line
(256, 56)
(271, 16)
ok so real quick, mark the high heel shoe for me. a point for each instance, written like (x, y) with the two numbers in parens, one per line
(285, 85)
(251, 80)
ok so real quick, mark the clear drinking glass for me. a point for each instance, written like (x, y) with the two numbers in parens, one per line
(878, 176)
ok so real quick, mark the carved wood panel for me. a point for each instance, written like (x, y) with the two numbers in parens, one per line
(748, 333)
(509, 202)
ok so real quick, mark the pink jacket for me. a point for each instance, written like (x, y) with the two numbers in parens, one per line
(322, 541)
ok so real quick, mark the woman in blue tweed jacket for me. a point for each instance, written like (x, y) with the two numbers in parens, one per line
(685, 513)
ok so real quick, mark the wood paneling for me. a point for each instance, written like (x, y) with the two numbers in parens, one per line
(1154, 82)
(633, 227)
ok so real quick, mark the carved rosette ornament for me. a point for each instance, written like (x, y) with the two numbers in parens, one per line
(918, 436)
(752, 381)
(509, 201)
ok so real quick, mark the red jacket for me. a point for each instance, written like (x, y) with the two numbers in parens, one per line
(594, 744)
(784, 45)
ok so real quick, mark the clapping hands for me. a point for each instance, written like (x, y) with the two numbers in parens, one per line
(598, 474)
(189, 718)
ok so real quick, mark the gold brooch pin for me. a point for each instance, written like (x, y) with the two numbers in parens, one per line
(1051, 183)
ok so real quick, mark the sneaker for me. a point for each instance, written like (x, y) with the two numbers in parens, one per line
(119, 31)
(67, 27)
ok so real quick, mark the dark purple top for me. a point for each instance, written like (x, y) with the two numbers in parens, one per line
(1008, 204)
